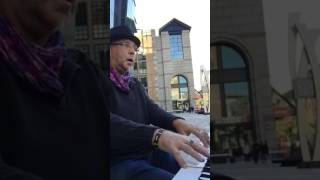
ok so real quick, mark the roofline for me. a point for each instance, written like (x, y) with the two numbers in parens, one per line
(174, 19)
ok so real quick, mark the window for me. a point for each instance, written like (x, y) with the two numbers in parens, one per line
(236, 89)
(143, 64)
(112, 13)
(175, 93)
(140, 66)
(131, 10)
(179, 93)
(176, 50)
(99, 19)
(230, 97)
(81, 22)
(231, 92)
(231, 59)
(237, 99)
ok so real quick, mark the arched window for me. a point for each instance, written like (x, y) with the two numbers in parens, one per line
(231, 102)
(230, 83)
(230, 58)
(179, 93)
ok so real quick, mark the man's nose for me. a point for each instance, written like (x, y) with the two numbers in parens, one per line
(132, 51)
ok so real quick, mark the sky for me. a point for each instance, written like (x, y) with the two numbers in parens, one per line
(276, 13)
(153, 14)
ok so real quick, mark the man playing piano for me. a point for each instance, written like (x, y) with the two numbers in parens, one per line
(149, 146)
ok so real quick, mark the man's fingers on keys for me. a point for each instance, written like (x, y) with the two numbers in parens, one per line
(189, 150)
(177, 155)
(201, 149)
(206, 138)
(203, 136)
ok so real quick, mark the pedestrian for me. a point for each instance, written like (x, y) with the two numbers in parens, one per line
(264, 152)
(256, 152)
(160, 159)
(246, 151)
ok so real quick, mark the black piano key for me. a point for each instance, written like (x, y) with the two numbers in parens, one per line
(206, 169)
(205, 173)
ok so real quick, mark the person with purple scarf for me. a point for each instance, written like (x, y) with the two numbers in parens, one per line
(54, 110)
(158, 136)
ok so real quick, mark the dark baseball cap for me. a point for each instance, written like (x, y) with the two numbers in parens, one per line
(123, 32)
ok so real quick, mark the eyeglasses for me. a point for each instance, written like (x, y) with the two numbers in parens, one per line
(127, 45)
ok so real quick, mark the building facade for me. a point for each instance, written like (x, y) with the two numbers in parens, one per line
(122, 12)
(241, 96)
(145, 68)
(169, 66)
(205, 88)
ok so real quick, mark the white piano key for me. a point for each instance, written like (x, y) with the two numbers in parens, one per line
(191, 173)
(194, 168)
(203, 178)
(188, 174)
(206, 173)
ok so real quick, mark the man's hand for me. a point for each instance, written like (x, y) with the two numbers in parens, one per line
(173, 143)
(185, 128)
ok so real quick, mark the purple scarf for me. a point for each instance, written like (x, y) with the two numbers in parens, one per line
(40, 66)
(121, 81)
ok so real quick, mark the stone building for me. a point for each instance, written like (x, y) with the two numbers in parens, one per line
(241, 96)
(169, 65)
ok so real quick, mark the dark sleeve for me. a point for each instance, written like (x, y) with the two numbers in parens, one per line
(158, 116)
(8, 172)
(12, 173)
(128, 136)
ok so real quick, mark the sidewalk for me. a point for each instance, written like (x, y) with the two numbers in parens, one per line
(268, 171)
(201, 120)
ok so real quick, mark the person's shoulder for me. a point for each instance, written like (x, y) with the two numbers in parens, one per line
(135, 80)
(137, 84)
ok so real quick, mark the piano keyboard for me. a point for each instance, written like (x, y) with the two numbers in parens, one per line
(194, 173)
(205, 173)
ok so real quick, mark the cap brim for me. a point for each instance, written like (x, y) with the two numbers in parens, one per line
(132, 38)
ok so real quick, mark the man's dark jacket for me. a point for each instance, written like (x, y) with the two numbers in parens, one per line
(47, 138)
(138, 108)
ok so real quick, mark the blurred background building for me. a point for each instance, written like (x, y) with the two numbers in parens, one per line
(122, 12)
(87, 29)
(241, 94)
(265, 76)
(205, 88)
